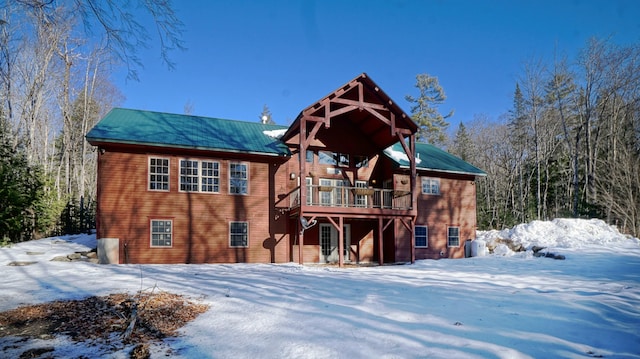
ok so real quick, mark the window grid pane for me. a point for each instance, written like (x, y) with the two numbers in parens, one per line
(159, 174)
(161, 233)
(422, 237)
(189, 176)
(431, 186)
(238, 178)
(453, 238)
(239, 234)
(210, 177)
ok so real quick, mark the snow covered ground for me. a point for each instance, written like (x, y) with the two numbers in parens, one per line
(511, 305)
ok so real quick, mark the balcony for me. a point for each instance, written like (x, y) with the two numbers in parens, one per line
(353, 197)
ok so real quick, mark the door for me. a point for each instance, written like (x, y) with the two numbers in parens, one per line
(329, 251)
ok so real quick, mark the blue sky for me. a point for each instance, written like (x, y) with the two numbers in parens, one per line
(288, 54)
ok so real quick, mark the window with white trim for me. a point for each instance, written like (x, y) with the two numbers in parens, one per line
(199, 176)
(210, 177)
(422, 236)
(158, 174)
(161, 232)
(361, 199)
(188, 176)
(453, 237)
(239, 234)
(309, 182)
(238, 178)
(430, 185)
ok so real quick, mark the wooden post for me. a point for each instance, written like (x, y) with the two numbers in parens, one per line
(413, 241)
(380, 242)
(302, 155)
(341, 241)
(301, 242)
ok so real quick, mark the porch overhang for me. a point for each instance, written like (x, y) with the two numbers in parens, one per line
(360, 106)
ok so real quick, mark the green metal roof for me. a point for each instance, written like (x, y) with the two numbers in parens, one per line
(125, 126)
(429, 157)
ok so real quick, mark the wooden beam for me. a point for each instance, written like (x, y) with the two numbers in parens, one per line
(388, 223)
(335, 225)
(312, 134)
(342, 110)
(313, 118)
(327, 109)
(407, 150)
(414, 174)
(359, 104)
(378, 115)
(410, 228)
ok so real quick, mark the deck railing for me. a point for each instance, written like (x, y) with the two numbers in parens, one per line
(353, 197)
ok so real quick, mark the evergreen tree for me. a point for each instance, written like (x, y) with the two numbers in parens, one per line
(424, 110)
(462, 143)
(20, 187)
(265, 116)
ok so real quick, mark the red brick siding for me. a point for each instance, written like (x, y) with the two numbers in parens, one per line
(200, 220)
(455, 206)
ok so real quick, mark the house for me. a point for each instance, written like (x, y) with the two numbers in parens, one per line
(346, 182)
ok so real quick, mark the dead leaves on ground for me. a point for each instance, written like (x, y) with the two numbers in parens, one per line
(105, 318)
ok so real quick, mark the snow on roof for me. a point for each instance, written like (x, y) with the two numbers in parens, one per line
(275, 133)
(399, 155)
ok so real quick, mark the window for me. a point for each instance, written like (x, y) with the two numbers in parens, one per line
(188, 176)
(422, 236)
(327, 158)
(309, 182)
(239, 234)
(158, 174)
(210, 180)
(360, 198)
(161, 232)
(453, 237)
(343, 160)
(207, 179)
(332, 193)
(430, 185)
(238, 178)
(361, 161)
(309, 156)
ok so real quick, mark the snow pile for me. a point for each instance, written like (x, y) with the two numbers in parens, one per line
(46, 248)
(560, 233)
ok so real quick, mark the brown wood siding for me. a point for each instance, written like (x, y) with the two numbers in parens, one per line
(200, 220)
(454, 206)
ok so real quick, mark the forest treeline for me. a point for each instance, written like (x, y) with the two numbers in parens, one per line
(569, 147)
(56, 61)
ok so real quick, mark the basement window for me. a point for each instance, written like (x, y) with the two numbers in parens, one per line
(161, 233)
(453, 237)
(422, 236)
(239, 234)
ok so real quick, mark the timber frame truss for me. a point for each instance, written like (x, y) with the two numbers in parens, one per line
(363, 103)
